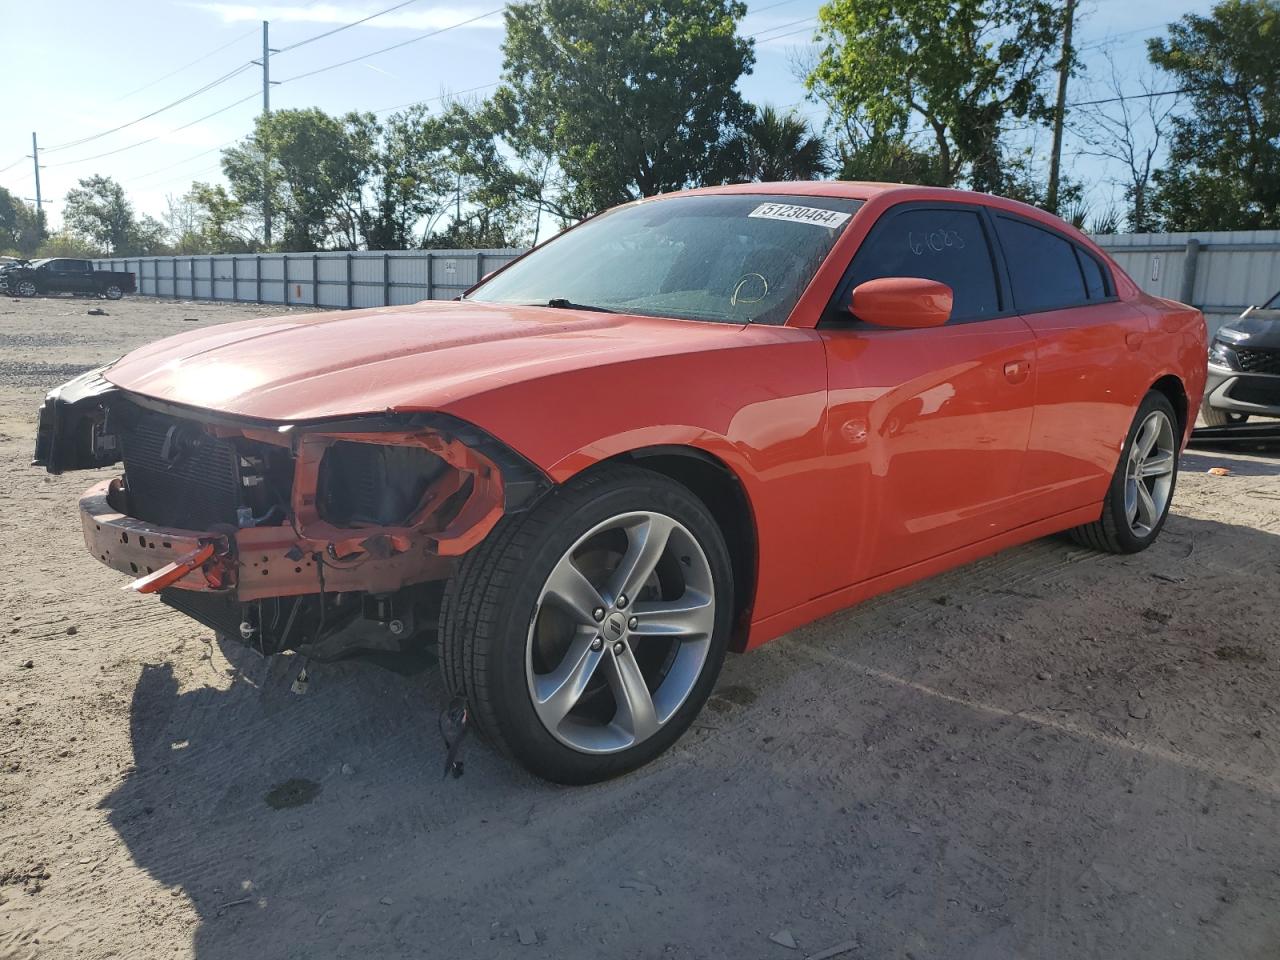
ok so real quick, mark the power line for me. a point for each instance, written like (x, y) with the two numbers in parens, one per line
(443, 96)
(394, 46)
(151, 140)
(14, 164)
(1133, 96)
(347, 26)
(168, 106)
(759, 34)
(781, 36)
(186, 66)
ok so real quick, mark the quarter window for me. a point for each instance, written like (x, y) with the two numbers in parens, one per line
(1043, 269)
(946, 245)
(1094, 279)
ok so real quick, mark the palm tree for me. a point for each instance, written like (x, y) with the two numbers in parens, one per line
(781, 146)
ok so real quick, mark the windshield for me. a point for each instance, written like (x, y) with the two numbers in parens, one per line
(736, 258)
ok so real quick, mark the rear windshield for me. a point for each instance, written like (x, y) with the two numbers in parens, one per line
(730, 258)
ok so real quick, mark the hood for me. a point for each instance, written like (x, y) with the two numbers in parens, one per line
(1255, 329)
(420, 357)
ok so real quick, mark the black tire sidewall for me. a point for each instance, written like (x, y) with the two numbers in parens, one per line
(1130, 542)
(519, 726)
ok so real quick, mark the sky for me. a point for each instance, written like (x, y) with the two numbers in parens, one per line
(85, 67)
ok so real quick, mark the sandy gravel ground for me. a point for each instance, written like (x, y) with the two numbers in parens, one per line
(1049, 753)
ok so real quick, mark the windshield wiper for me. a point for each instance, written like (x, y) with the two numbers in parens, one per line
(562, 304)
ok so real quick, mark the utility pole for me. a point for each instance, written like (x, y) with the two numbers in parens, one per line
(35, 158)
(266, 112)
(1060, 109)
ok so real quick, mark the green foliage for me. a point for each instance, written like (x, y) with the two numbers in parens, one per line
(780, 146)
(22, 230)
(889, 159)
(958, 69)
(630, 97)
(410, 179)
(1223, 169)
(1106, 222)
(314, 168)
(102, 218)
(65, 243)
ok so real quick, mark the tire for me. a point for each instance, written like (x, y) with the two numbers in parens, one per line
(25, 288)
(505, 638)
(1130, 522)
(112, 291)
(1213, 417)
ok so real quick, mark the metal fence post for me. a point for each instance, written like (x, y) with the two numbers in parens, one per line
(431, 293)
(1188, 288)
(386, 279)
(257, 277)
(350, 304)
(284, 273)
(213, 289)
(235, 278)
(479, 266)
(315, 279)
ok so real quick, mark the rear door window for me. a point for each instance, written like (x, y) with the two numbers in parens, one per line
(946, 244)
(1043, 270)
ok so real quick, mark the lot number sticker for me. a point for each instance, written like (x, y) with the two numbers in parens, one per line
(796, 214)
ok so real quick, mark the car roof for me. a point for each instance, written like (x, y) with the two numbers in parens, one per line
(889, 192)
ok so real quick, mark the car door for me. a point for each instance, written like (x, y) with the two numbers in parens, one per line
(1088, 346)
(49, 276)
(929, 427)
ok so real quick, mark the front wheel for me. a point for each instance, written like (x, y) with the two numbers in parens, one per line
(587, 633)
(25, 288)
(1213, 417)
(1137, 501)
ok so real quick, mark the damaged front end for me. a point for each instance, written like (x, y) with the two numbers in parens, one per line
(319, 537)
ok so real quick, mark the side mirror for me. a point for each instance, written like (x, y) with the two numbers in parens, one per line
(906, 303)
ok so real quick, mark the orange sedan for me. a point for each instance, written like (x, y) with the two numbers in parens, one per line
(686, 426)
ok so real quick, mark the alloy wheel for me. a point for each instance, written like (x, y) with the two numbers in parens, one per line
(1149, 473)
(621, 632)
(26, 289)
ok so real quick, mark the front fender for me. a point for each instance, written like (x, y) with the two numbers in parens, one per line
(758, 406)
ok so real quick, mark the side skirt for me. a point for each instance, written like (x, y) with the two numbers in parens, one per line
(770, 628)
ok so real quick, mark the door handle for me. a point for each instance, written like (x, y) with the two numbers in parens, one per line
(1133, 340)
(1016, 371)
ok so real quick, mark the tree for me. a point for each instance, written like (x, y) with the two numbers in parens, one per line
(411, 182)
(315, 178)
(1128, 130)
(960, 69)
(630, 97)
(22, 229)
(223, 223)
(99, 211)
(781, 146)
(491, 198)
(1223, 168)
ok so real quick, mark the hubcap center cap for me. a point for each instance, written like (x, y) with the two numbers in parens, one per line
(615, 626)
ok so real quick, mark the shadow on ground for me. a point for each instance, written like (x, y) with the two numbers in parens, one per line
(895, 779)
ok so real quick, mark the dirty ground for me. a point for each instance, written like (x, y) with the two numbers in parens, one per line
(1046, 754)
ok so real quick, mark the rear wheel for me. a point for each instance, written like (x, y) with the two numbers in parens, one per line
(1137, 502)
(112, 291)
(587, 634)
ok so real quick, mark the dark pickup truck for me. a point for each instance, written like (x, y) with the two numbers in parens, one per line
(62, 275)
